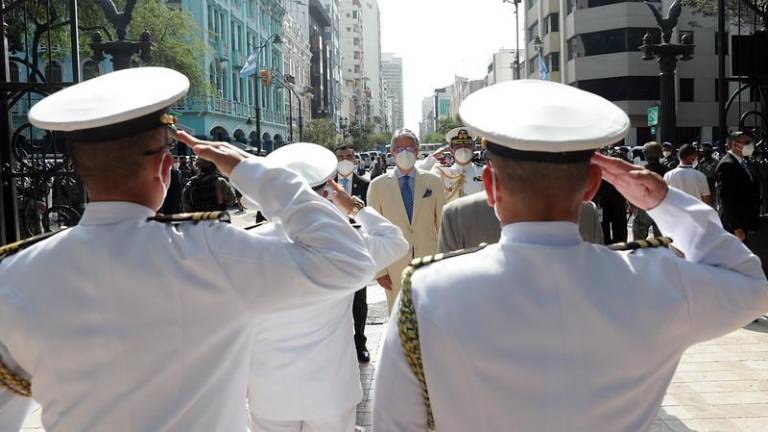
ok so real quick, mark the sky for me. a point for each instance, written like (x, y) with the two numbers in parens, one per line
(439, 39)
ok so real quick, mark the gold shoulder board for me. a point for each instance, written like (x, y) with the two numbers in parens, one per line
(10, 249)
(408, 325)
(218, 216)
(654, 242)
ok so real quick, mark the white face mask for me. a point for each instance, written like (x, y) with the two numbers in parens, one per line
(667, 154)
(463, 155)
(345, 167)
(748, 149)
(405, 160)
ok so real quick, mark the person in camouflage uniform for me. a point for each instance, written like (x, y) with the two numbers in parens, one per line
(708, 166)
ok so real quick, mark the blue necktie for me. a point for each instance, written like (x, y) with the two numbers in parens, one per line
(407, 194)
(344, 183)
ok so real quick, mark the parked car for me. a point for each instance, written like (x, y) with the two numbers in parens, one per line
(365, 160)
(390, 160)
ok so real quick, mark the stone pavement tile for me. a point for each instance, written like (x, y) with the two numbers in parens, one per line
(724, 386)
(736, 398)
(706, 425)
(759, 424)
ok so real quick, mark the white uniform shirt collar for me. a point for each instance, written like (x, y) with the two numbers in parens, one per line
(541, 233)
(110, 212)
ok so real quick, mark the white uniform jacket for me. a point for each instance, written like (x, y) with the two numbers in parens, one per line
(469, 176)
(130, 325)
(544, 332)
(304, 364)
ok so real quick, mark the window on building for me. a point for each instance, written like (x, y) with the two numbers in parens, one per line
(357, 68)
(572, 47)
(356, 42)
(612, 41)
(553, 62)
(90, 69)
(14, 71)
(623, 88)
(357, 55)
(533, 31)
(53, 72)
(531, 3)
(551, 23)
(354, 14)
(598, 3)
(686, 90)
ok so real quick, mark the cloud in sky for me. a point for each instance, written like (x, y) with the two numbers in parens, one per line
(439, 39)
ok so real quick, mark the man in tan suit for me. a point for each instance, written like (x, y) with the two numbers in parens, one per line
(413, 200)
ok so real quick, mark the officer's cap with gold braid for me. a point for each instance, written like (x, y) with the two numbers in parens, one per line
(543, 121)
(459, 136)
(112, 106)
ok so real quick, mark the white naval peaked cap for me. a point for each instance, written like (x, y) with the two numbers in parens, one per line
(315, 163)
(113, 105)
(542, 120)
(460, 135)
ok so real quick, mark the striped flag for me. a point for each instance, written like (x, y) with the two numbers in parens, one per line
(251, 65)
(544, 69)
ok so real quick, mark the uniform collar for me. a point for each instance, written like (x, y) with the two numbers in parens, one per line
(541, 233)
(110, 212)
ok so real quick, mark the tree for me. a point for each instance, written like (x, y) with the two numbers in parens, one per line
(433, 137)
(321, 131)
(444, 126)
(176, 37)
(748, 8)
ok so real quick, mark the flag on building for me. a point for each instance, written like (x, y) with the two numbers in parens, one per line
(544, 69)
(251, 65)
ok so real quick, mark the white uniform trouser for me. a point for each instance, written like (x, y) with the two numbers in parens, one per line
(341, 423)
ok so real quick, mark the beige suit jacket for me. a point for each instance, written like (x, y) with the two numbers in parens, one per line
(428, 201)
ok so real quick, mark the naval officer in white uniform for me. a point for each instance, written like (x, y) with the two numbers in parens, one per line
(304, 371)
(542, 331)
(128, 323)
(462, 178)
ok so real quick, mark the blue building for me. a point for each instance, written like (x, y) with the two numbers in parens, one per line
(233, 28)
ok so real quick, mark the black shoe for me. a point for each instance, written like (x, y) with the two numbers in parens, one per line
(363, 356)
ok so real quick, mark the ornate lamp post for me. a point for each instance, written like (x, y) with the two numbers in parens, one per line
(121, 50)
(667, 55)
(274, 39)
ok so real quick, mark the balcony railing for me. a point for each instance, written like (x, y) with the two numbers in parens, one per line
(212, 104)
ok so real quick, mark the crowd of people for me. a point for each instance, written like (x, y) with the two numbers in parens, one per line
(507, 311)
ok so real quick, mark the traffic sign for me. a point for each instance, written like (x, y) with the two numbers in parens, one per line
(653, 116)
(653, 130)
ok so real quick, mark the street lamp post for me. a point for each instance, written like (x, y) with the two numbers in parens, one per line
(288, 81)
(275, 39)
(121, 49)
(667, 55)
(517, 37)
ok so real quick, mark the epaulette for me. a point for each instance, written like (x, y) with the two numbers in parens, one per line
(654, 242)
(10, 249)
(248, 228)
(429, 259)
(219, 216)
(408, 325)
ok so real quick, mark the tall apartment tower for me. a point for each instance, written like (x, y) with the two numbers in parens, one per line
(372, 60)
(355, 108)
(392, 70)
(594, 45)
(333, 40)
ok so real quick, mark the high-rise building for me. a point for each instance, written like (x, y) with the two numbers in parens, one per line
(392, 71)
(319, 46)
(594, 45)
(442, 105)
(427, 123)
(463, 87)
(372, 59)
(333, 91)
(502, 66)
(355, 108)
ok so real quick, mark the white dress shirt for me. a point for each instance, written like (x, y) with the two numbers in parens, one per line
(130, 325)
(304, 363)
(543, 332)
(689, 180)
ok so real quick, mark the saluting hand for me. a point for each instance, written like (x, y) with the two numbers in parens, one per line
(341, 198)
(642, 188)
(224, 155)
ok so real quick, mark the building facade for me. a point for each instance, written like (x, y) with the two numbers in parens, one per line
(372, 59)
(594, 45)
(355, 107)
(392, 73)
(502, 66)
(463, 87)
(234, 29)
(298, 59)
(333, 40)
